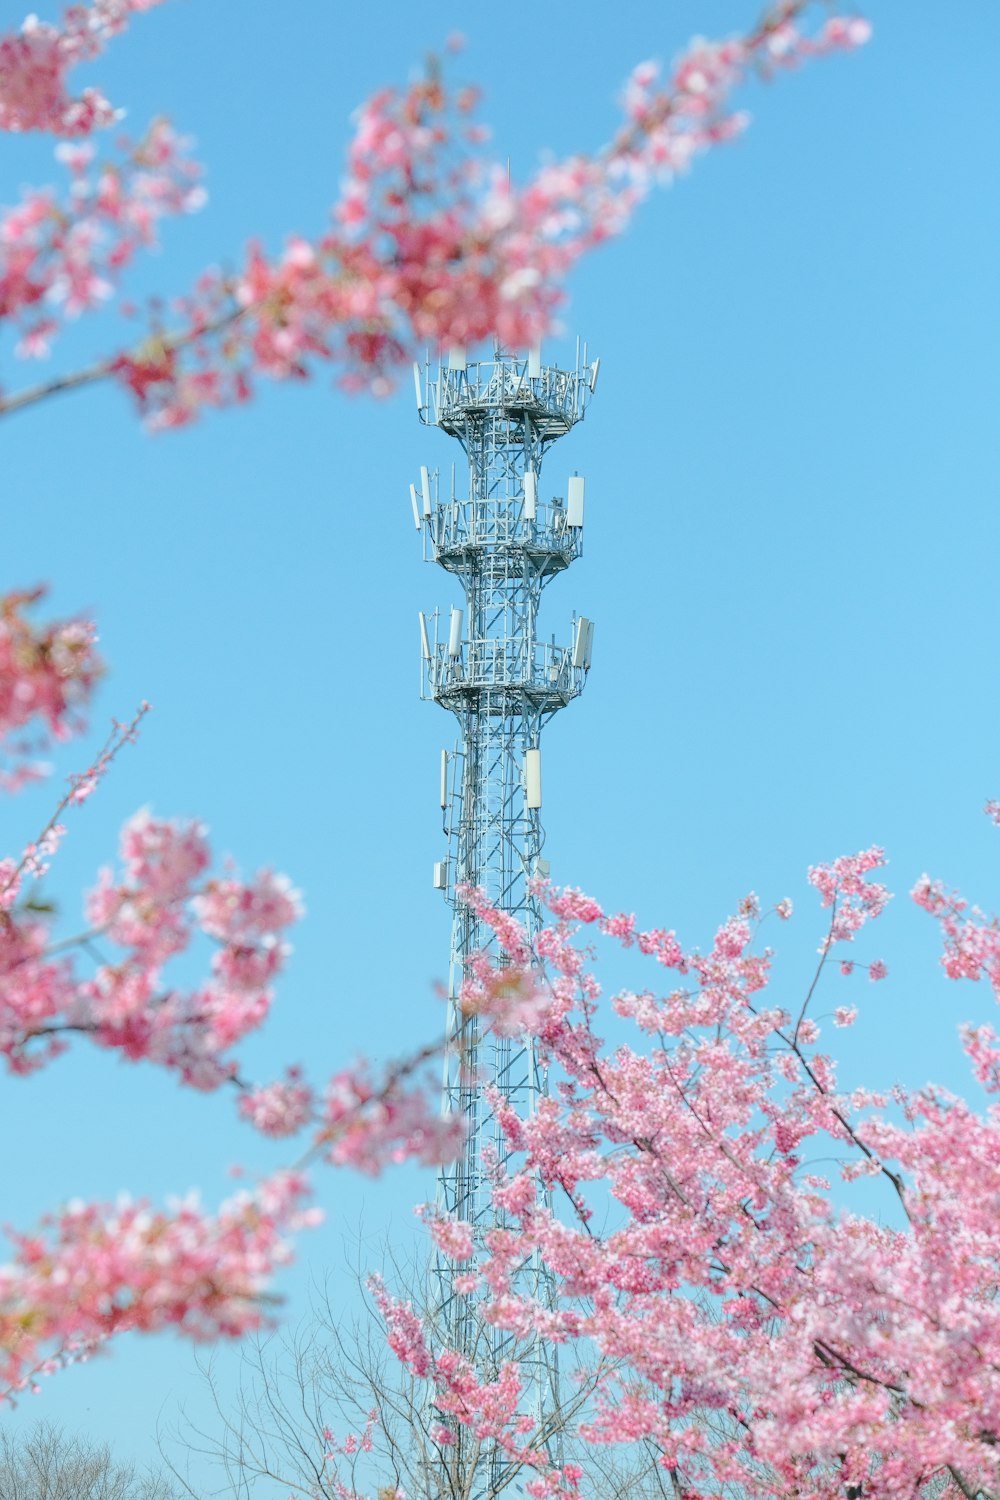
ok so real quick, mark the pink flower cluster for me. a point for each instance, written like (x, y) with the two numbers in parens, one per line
(853, 898)
(93, 1271)
(368, 1127)
(279, 1109)
(971, 938)
(60, 259)
(46, 672)
(490, 1408)
(34, 63)
(353, 1443)
(151, 913)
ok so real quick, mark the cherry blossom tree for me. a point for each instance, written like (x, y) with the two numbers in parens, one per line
(764, 1337)
(736, 1318)
(429, 240)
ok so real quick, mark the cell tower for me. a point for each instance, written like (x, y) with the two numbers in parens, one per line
(486, 663)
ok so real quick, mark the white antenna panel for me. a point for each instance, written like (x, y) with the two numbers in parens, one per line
(455, 633)
(425, 489)
(425, 645)
(574, 501)
(595, 370)
(580, 642)
(416, 386)
(457, 358)
(589, 648)
(535, 362)
(530, 494)
(533, 778)
(416, 506)
(441, 875)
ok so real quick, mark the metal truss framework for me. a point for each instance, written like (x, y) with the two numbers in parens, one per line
(486, 664)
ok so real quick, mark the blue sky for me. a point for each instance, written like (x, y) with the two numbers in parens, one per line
(791, 548)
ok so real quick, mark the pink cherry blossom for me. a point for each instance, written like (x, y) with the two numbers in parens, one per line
(367, 1127)
(34, 63)
(93, 1271)
(844, 886)
(47, 673)
(61, 258)
(279, 1109)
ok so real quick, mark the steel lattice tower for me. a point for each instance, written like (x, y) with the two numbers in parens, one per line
(487, 665)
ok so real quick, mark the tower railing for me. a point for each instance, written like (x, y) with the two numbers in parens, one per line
(509, 663)
(457, 525)
(508, 382)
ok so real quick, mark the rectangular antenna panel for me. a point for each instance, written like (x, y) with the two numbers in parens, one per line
(530, 494)
(580, 642)
(455, 633)
(425, 489)
(416, 506)
(533, 778)
(535, 362)
(574, 501)
(441, 875)
(425, 645)
(456, 358)
(416, 386)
